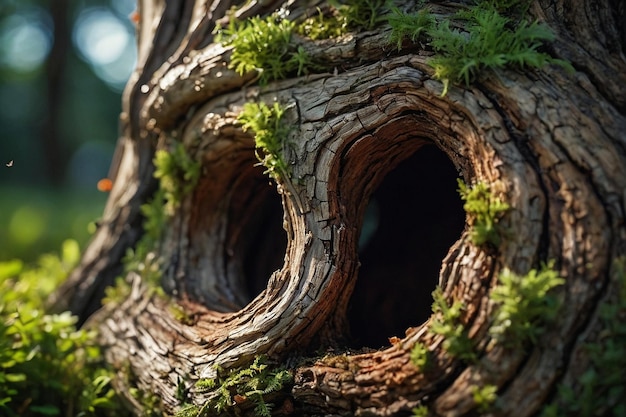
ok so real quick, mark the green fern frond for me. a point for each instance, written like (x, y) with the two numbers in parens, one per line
(188, 410)
(252, 382)
(263, 409)
(411, 26)
(524, 304)
(447, 322)
(491, 42)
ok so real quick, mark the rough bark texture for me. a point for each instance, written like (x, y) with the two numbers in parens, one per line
(266, 268)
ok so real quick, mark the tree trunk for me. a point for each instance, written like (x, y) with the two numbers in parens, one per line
(252, 266)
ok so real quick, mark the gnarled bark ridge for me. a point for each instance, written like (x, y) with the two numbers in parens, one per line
(272, 268)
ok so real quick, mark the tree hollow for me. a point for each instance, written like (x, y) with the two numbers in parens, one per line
(412, 219)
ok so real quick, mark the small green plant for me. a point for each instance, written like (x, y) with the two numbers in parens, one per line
(516, 7)
(490, 43)
(601, 389)
(47, 366)
(362, 14)
(485, 211)
(524, 305)
(412, 26)
(178, 175)
(150, 403)
(270, 135)
(484, 397)
(246, 384)
(323, 26)
(343, 17)
(264, 45)
(117, 292)
(155, 213)
(179, 313)
(144, 262)
(420, 356)
(447, 322)
(490, 40)
(420, 411)
(181, 390)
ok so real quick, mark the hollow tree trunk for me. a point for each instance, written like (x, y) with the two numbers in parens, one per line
(272, 268)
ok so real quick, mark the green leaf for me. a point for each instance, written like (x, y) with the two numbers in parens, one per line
(10, 269)
(524, 305)
(492, 41)
(15, 377)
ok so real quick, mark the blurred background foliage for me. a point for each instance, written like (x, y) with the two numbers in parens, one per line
(63, 65)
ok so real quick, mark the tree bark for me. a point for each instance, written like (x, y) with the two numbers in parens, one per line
(273, 268)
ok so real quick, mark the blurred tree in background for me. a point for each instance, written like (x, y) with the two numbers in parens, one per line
(63, 65)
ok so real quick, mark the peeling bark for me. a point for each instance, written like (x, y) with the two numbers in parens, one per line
(271, 268)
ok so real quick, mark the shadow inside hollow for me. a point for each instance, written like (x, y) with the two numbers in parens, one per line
(412, 219)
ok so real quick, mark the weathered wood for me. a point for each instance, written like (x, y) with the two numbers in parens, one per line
(551, 144)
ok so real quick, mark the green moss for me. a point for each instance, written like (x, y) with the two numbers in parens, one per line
(146, 263)
(117, 292)
(600, 391)
(252, 383)
(265, 45)
(362, 14)
(179, 313)
(150, 403)
(447, 322)
(514, 7)
(490, 40)
(270, 135)
(490, 43)
(323, 26)
(412, 26)
(47, 365)
(421, 356)
(155, 214)
(343, 17)
(181, 390)
(524, 305)
(178, 175)
(421, 411)
(484, 397)
(485, 211)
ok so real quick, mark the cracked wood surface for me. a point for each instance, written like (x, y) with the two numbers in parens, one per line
(551, 144)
